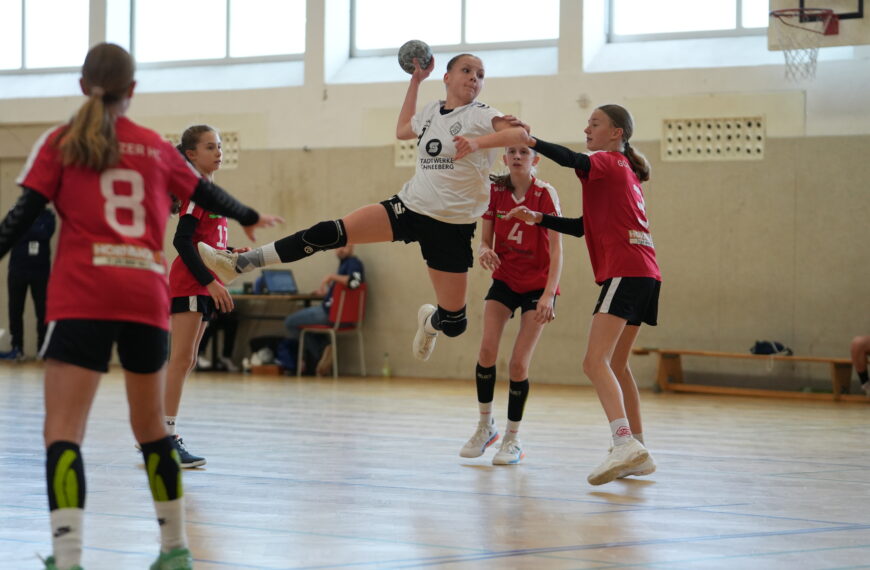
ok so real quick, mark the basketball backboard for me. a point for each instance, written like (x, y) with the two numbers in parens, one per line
(854, 23)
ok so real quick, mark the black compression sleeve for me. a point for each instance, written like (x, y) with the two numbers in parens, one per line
(570, 226)
(20, 218)
(183, 242)
(563, 156)
(215, 199)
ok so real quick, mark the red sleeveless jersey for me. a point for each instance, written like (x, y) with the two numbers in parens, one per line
(109, 263)
(523, 249)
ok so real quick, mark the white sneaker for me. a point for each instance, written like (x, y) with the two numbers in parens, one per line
(223, 263)
(866, 387)
(229, 364)
(510, 452)
(485, 436)
(203, 363)
(621, 458)
(648, 467)
(424, 342)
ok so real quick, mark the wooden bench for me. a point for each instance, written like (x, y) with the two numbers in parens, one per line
(670, 375)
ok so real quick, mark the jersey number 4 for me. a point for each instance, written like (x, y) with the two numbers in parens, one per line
(516, 234)
(133, 224)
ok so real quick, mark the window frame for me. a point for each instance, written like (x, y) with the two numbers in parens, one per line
(462, 46)
(95, 18)
(225, 60)
(738, 31)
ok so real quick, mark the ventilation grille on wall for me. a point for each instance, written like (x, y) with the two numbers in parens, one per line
(728, 138)
(406, 153)
(230, 145)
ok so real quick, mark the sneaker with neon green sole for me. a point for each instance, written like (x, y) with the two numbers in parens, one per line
(175, 559)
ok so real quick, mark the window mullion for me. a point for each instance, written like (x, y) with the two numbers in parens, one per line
(227, 31)
(464, 21)
(23, 34)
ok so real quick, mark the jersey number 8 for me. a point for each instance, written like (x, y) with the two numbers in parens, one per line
(110, 180)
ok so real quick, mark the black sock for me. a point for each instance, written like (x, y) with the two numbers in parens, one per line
(65, 475)
(451, 323)
(862, 376)
(319, 237)
(518, 392)
(485, 383)
(163, 468)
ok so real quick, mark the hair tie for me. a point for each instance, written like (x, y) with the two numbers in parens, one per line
(97, 92)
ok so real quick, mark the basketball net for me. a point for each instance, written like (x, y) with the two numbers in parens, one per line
(799, 33)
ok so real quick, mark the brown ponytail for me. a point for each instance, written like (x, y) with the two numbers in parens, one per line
(89, 140)
(622, 119)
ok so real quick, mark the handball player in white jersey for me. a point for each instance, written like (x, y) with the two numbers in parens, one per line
(438, 207)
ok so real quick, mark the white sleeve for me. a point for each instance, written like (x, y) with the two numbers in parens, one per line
(424, 117)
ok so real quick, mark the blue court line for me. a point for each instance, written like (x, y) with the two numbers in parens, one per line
(753, 555)
(432, 561)
(706, 507)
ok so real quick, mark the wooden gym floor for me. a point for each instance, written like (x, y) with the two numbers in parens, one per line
(365, 473)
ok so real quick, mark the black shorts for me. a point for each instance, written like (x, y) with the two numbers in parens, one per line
(196, 304)
(635, 299)
(499, 291)
(88, 343)
(445, 247)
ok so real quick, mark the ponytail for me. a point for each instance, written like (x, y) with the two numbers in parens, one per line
(639, 163)
(622, 119)
(89, 140)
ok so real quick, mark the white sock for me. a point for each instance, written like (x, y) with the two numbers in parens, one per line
(270, 254)
(170, 424)
(620, 431)
(639, 437)
(66, 537)
(485, 413)
(511, 429)
(170, 515)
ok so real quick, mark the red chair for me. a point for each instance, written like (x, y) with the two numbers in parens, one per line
(346, 315)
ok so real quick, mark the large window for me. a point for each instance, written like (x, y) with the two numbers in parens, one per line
(632, 20)
(381, 26)
(42, 34)
(169, 30)
(32, 30)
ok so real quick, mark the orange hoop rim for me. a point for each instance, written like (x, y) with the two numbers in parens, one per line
(804, 15)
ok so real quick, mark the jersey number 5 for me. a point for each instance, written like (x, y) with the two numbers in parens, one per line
(133, 224)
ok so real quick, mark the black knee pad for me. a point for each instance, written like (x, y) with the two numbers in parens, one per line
(451, 323)
(325, 235)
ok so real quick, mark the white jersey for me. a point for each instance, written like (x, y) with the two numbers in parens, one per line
(452, 191)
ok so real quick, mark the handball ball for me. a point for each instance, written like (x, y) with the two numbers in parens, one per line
(412, 49)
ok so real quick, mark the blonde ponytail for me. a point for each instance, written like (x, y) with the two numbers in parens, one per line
(89, 140)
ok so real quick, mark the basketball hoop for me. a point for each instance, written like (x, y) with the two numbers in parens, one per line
(799, 33)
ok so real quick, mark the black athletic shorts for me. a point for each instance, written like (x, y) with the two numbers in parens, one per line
(445, 247)
(88, 343)
(499, 291)
(635, 299)
(195, 303)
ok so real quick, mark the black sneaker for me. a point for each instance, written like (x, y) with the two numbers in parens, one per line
(188, 460)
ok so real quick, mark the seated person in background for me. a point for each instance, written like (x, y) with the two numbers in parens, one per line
(349, 273)
(860, 348)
